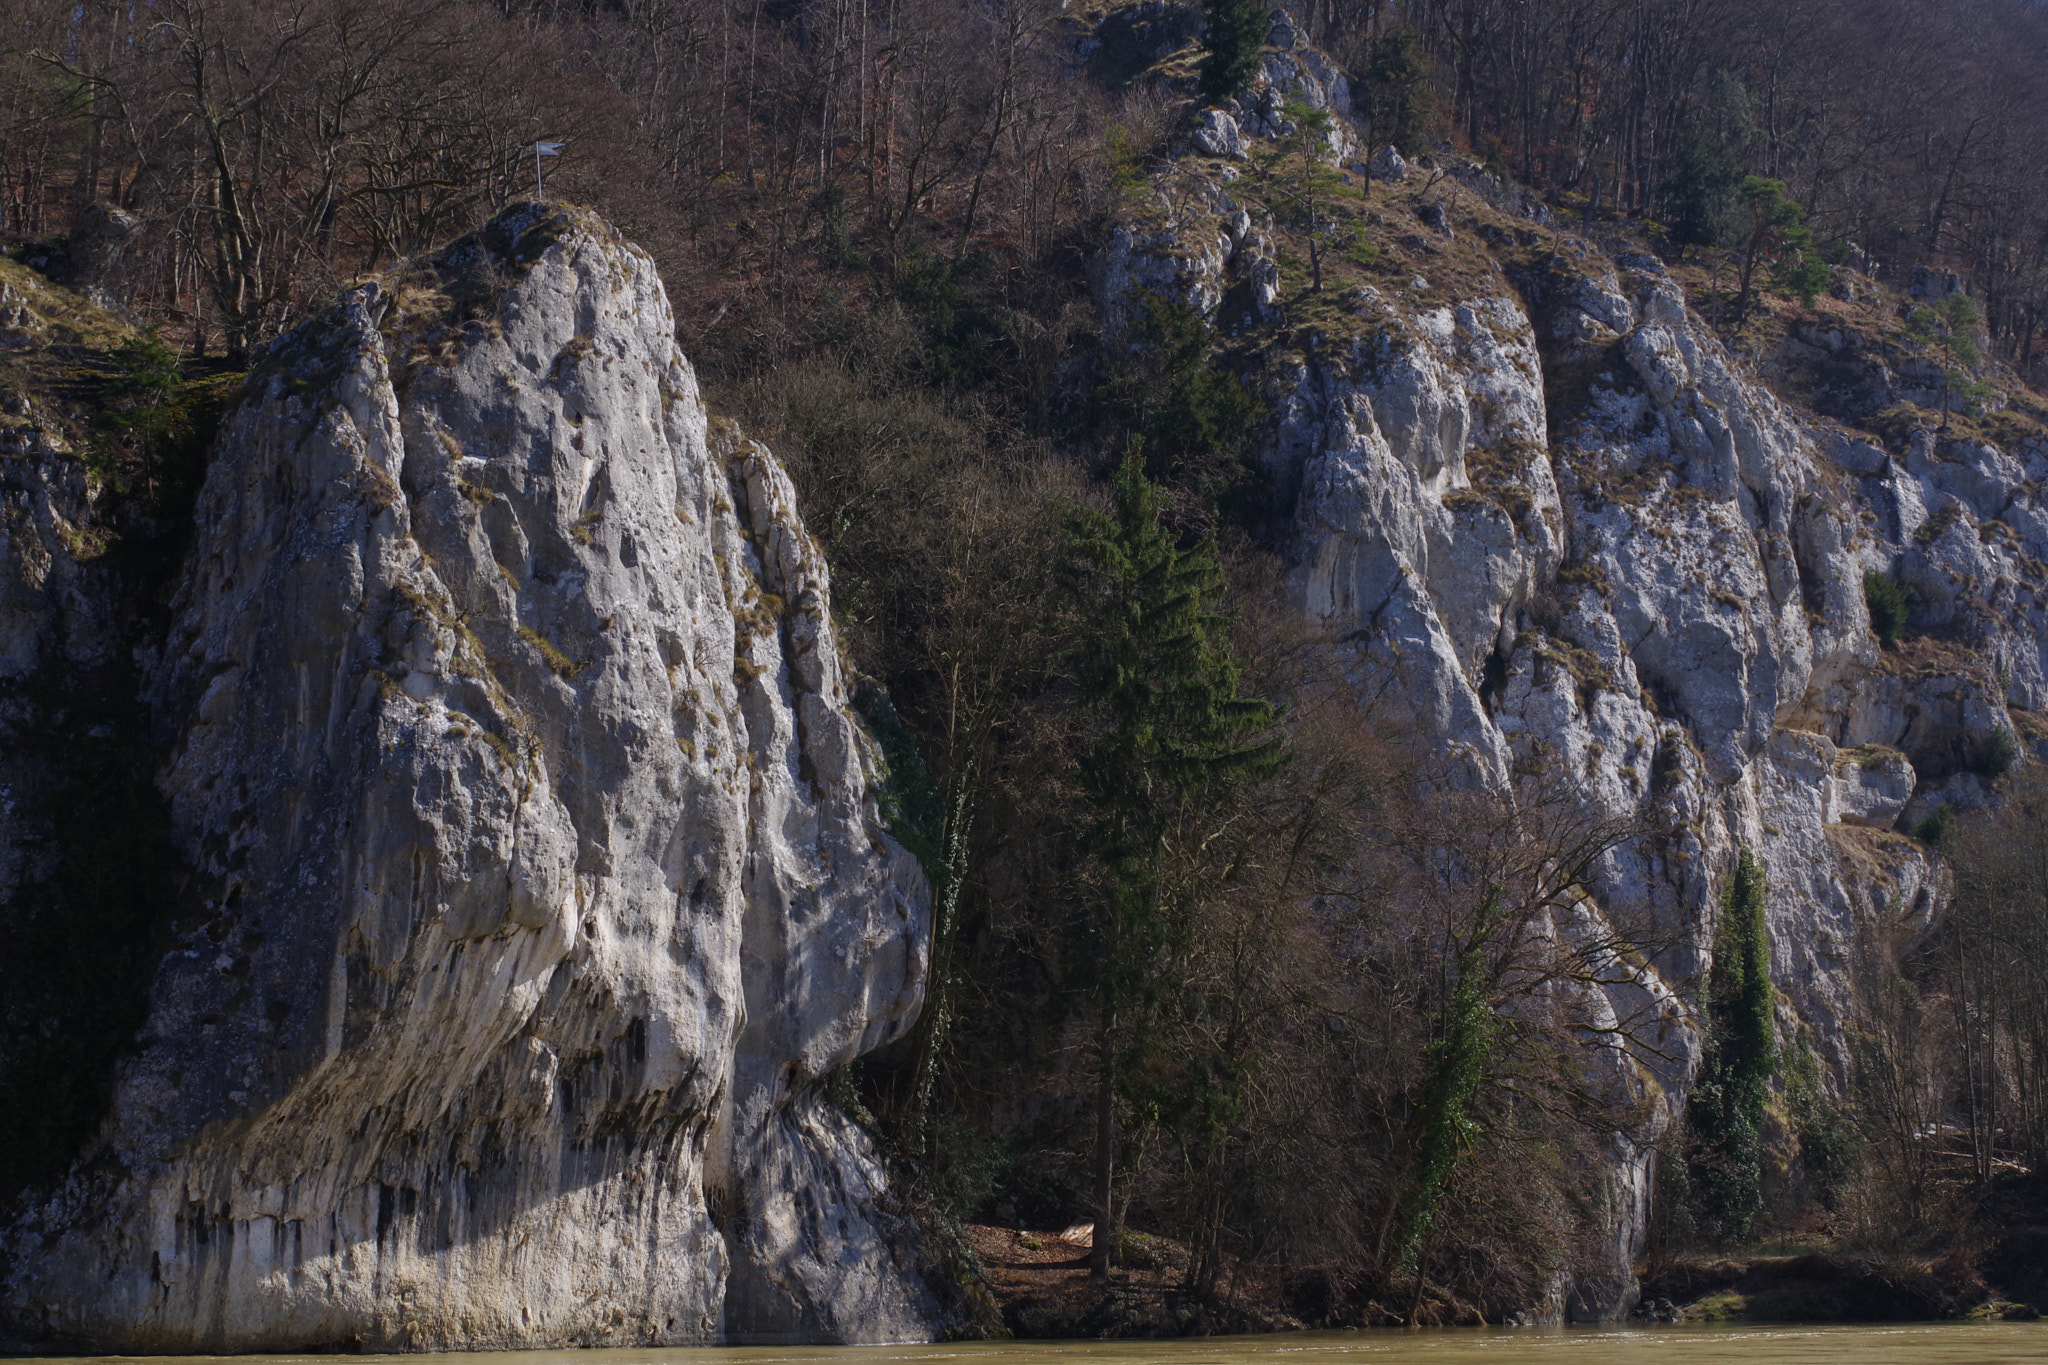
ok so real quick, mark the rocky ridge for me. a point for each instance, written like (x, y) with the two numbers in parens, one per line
(536, 877)
(1529, 483)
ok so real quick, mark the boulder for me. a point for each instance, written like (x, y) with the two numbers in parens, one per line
(1871, 786)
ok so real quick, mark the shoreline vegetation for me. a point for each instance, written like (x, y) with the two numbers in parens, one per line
(1041, 1288)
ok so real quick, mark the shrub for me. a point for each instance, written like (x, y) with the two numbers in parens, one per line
(1828, 1141)
(154, 429)
(1938, 830)
(1360, 250)
(1890, 604)
(1992, 755)
(1802, 273)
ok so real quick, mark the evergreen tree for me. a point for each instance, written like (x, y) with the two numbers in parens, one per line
(1191, 416)
(1297, 182)
(1160, 688)
(1726, 1110)
(1778, 230)
(1233, 31)
(1397, 82)
(1698, 192)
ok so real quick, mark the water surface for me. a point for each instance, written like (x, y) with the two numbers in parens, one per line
(2005, 1343)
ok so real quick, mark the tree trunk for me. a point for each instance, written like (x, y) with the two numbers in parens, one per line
(1756, 247)
(1105, 1151)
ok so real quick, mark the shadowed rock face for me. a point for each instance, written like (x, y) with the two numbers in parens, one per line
(537, 878)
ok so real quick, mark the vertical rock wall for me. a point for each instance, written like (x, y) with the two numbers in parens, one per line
(536, 879)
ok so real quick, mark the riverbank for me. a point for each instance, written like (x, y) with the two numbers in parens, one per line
(1824, 1287)
(1996, 1270)
(1993, 1267)
(1041, 1285)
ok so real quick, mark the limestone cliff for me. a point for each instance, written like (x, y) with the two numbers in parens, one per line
(536, 881)
(1521, 477)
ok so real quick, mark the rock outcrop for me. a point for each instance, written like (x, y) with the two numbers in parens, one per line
(536, 880)
(1522, 479)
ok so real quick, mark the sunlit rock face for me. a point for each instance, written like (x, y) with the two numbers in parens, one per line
(1565, 534)
(537, 878)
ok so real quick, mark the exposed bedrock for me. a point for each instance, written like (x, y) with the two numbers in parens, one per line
(1578, 538)
(537, 879)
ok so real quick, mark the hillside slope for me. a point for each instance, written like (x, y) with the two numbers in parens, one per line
(1524, 479)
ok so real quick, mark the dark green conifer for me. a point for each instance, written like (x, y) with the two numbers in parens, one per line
(1233, 31)
(1397, 83)
(1698, 192)
(1161, 693)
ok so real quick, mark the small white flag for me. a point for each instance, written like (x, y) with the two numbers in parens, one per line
(541, 149)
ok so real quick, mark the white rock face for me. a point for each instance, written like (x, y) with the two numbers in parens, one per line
(1216, 135)
(1290, 71)
(538, 879)
(1564, 532)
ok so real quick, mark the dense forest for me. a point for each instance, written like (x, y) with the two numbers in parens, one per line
(1225, 961)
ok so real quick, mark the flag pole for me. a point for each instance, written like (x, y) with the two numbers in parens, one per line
(542, 147)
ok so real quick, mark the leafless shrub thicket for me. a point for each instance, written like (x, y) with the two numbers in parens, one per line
(1377, 1052)
(270, 150)
(1911, 130)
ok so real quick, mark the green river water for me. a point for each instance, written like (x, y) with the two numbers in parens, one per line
(1887, 1344)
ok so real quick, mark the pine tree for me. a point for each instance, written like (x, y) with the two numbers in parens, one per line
(1170, 729)
(1778, 229)
(1233, 31)
(1296, 181)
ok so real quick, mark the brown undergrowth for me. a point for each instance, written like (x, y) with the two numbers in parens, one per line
(1040, 1281)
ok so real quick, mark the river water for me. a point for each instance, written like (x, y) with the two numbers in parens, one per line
(1888, 1344)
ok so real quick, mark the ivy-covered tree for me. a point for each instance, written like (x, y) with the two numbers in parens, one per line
(1233, 31)
(1459, 1059)
(1168, 730)
(1726, 1110)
